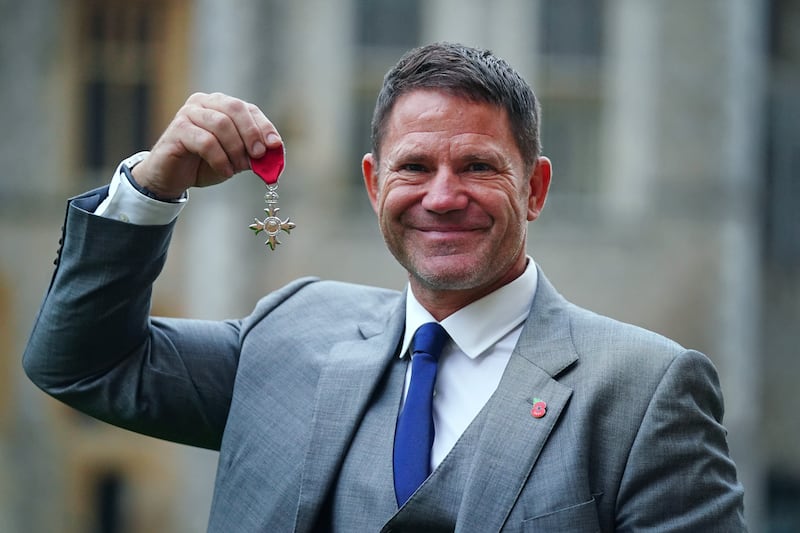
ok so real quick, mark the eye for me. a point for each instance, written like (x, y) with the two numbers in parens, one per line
(479, 167)
(413, 167)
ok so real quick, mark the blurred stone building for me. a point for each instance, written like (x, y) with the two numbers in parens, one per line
(673, 125)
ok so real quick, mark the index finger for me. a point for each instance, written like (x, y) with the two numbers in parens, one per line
(253, 127)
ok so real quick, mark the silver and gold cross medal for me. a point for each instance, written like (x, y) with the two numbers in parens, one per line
(269, 167)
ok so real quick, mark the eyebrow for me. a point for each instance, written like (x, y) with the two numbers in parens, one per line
(419, 154)
(405, 155)
(483, 156)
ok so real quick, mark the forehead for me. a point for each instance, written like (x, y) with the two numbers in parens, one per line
(424, 116)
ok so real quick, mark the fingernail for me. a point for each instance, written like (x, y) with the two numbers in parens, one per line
(273, 138)
(258, 149)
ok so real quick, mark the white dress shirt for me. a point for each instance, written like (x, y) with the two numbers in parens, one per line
(483, 335)
(127, 204)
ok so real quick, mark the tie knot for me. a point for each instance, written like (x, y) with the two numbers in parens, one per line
(429, 338)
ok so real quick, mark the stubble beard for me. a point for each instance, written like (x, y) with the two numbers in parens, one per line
(462, 277)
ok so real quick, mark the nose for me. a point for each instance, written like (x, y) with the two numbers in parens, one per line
(444, 192)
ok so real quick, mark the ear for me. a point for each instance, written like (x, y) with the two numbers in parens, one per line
(369, 168)
(539, 187)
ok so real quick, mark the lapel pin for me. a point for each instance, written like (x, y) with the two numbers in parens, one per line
(539, 408)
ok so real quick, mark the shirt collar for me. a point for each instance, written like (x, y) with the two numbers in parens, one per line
(478, 326)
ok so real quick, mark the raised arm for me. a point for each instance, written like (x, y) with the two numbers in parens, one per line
(94, 345)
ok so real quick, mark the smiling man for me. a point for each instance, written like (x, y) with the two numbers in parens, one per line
(476, 400)
(453, 195)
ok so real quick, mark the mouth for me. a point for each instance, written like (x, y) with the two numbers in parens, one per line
(447, 227)
(449, 230)
(450, 236)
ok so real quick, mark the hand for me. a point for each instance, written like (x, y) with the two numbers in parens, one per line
(211, 138)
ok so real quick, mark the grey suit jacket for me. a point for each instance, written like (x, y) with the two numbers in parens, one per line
(291, 396)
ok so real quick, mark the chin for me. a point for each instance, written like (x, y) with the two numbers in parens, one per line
(452, 278)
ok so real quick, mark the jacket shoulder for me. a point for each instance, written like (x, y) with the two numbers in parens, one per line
(591, 331)
(311, 299)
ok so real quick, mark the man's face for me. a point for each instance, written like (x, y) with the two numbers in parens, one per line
(451, 193)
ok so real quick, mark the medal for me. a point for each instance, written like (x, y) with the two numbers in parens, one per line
(269, 168)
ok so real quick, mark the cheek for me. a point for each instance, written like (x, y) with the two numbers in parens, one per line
(504, 202)
(394, 200)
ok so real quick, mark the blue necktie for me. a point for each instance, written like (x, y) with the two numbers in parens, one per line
(414, 435)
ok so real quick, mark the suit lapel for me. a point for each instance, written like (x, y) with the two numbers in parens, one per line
(511, 438)
(347, 382)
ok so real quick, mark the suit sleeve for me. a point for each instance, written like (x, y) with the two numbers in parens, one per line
(679, 476)
(95, 347)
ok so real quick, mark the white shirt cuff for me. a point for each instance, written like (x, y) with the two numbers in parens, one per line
(126, 204)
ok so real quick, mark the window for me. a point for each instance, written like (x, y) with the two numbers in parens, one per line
(109, 494)
(386, 29)
(572, 28)
(123, 49)
(782, 194)
(388, 23)
(569, 88)
(570, 138)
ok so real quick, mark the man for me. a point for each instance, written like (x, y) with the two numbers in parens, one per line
(546, 417)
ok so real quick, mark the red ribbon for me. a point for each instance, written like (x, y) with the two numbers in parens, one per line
(269, 166)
